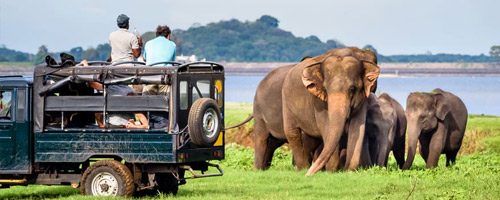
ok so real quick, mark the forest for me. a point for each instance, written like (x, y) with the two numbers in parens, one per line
(252, 41)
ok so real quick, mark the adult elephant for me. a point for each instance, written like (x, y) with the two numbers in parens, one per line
(268, 120)
(438, 120)
(323, 95)
(267, 111)
(385, 129)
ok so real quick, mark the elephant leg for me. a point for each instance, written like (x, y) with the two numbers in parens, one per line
(261, 135)
(357, 150)
(342, 157)
(373, 148)
(317, 152)
(436, 146)
(450, 158)
(310, 145)
(272, 145)
(294, 136)
(398, 149)
(333, 163)
(424, 146)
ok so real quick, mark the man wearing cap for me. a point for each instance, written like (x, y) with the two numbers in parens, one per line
(125, 46)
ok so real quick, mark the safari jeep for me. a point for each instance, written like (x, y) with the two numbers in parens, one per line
(49, 131)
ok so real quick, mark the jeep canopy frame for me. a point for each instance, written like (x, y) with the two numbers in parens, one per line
(48, 79)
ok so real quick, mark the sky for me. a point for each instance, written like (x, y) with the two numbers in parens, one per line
(391, 26)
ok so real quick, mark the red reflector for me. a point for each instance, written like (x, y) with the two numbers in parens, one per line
(215, 153)
(187, 156)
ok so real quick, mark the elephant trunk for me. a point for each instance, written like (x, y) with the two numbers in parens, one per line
(413, 134)
(338, 110)
(383, 150)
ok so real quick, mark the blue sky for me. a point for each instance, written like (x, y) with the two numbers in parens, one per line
(391, 26)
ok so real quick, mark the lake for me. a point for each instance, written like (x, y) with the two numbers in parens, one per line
(481, 95)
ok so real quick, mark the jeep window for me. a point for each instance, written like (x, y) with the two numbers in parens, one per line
(183, 91)
(218, 92)
(5, 105)
(202, 88)
(21, 106)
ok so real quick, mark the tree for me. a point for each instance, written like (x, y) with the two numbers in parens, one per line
(104, 51)
(20, 57)
(40, 56)
(76, 52)
(495, 52)
(90, 54)
(269, 21)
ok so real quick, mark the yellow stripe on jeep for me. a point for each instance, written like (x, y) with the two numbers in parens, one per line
(219, 140)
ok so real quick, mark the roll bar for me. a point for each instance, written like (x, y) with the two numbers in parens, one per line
(128, 62)
(166, 62)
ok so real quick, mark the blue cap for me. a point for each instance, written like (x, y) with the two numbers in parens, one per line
(122, 20)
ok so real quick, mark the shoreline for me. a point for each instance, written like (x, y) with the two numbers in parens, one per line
(386, 69)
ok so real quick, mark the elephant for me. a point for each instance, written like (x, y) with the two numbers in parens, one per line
(385, 129)
(438, 120)
(323, 96)
(267, 112)
(268, 120)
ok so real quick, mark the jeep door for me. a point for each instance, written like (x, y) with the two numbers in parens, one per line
(14, 131)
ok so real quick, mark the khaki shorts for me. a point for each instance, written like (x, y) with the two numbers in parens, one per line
(154, 89)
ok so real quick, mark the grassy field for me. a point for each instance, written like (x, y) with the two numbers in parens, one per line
(475, 176)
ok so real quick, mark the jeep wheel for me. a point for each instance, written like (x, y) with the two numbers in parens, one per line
(204, 122)
(107, 178)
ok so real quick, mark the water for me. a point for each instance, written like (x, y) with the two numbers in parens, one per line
(481, 95)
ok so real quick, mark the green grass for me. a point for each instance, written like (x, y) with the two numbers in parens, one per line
(475, 176)
(17, 64)
(237, 112)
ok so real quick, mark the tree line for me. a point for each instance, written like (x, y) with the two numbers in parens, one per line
(252, 41)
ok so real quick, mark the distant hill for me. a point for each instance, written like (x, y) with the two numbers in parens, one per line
(234, 41)
(256, 41)
(9, 55)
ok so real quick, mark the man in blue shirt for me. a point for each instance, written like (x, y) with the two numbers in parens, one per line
(161, 48)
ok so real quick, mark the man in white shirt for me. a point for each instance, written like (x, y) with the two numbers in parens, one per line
(125, 46)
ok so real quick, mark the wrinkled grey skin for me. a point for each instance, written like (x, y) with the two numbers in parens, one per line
(268, 120)
(268, 124)
(320, 95)
(385, 129)
(438, 120)
(398, 146)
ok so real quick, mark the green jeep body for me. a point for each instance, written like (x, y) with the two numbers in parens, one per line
(32, 152)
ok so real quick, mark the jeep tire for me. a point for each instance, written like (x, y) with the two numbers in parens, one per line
(107, 178)
(204, 122)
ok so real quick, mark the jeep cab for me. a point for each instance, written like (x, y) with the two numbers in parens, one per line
(50, 133)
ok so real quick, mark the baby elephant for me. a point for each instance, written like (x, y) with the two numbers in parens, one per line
(437, 119)
(385, 129)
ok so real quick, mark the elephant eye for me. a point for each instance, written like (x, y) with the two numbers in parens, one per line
(352, 89)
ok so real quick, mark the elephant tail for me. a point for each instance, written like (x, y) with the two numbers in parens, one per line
(241, 123)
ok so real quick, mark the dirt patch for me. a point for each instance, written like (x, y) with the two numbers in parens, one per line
(242, 135)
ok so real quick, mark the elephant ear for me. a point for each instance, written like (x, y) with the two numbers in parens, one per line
(370, 77)
(305, 58)
(442, 107)
(312, 78)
